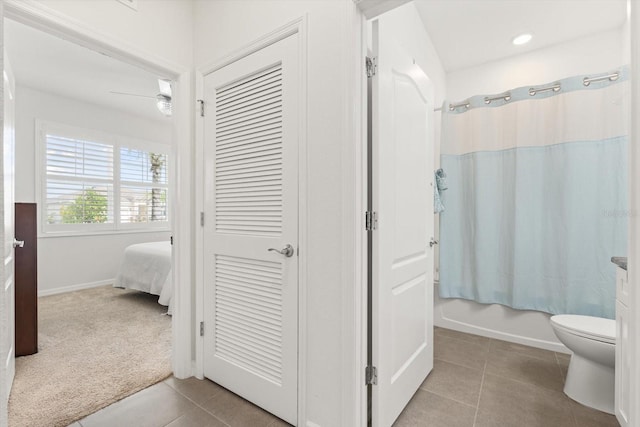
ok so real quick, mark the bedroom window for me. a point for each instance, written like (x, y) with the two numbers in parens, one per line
(94, 182)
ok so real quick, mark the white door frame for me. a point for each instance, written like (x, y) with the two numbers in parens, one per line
(39, 16)
(298, 26)
(634, 220)
(368, 9)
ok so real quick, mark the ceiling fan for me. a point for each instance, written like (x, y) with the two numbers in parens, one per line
(163, 99)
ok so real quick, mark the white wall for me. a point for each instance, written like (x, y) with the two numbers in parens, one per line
(158, 28)
(328, 346)
(66, 263)
(594, 54)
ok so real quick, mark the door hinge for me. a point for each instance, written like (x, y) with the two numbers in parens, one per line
(371, 375)
(372, 66)
(370, 220)
(201, 329)
(202, 219)
(171, 240)
(201, 102)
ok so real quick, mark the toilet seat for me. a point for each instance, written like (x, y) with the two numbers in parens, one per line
(594, 328)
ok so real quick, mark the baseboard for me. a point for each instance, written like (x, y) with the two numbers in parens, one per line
(64, 289)
(443, 322)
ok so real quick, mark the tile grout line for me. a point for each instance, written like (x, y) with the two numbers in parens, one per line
(573, 413)
(504, 377)
(458, 364)
(475, 416)
(444, 397)
(484, 370)
(199, 405)
(211, 414)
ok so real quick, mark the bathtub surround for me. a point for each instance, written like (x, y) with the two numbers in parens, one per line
(536, 177)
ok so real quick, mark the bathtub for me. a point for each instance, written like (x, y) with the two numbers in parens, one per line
(530, 328)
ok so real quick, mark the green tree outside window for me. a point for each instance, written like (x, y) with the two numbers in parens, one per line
(88, 207)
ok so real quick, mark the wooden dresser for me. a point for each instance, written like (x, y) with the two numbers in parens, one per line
(26, 279)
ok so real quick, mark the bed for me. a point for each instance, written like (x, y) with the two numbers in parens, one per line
(146, 267)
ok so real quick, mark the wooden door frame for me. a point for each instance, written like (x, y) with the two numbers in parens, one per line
(41, 17)
(299, 27)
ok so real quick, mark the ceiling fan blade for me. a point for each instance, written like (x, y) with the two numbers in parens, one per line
(165, 87)
(131, 94)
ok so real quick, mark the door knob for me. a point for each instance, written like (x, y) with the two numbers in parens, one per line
(18, 243)
(286, 251)
(433, 242)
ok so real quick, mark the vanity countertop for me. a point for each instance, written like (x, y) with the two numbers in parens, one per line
(620, 261)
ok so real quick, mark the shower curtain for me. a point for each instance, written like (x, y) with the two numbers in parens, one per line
(537, 198)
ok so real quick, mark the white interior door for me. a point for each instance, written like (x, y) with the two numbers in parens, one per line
(251, 213)
(403, 134)
(7, 303)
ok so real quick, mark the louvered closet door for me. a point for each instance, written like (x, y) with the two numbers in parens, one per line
(251, 205)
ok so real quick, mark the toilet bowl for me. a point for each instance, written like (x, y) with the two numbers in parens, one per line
(591, 376)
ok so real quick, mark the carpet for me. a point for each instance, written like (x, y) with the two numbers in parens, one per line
(96, 346)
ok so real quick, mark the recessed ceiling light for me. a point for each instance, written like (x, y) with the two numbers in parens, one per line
(522, 39)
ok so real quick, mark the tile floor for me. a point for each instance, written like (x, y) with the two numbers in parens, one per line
(476, 382)
(482, 382)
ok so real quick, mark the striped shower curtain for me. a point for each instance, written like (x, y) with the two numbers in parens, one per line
(537, 198)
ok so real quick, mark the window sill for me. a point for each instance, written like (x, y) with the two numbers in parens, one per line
(54, 234)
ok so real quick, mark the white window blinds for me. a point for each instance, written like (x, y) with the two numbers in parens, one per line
(79, 184)
(143, 195)
(100, 183)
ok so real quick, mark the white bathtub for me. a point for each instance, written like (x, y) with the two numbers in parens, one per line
(496, 321)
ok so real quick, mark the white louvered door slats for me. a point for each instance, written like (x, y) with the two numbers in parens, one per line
(249, 155)
(251, 205)
(249, 315)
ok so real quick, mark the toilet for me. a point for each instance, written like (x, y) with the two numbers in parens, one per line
(591, 377)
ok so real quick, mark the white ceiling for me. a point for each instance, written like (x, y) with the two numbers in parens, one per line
(471, 32)
(465, 33)
(50, 64)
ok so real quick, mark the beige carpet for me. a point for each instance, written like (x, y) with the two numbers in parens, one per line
(96, 346)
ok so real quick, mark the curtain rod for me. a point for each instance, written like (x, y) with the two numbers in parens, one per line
(520, 93)
(611, 77)
(555, 87)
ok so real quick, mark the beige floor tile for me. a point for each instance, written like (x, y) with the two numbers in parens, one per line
(476, 339)
(155, 406)
(237, 412)
(454, 382)
(197, 417)
(506, 402)
(279, 423)
(460, 352)
(428, 409)
(563, 362)
(588, 417)
(518, 366)
(198, 391)
(523, 349)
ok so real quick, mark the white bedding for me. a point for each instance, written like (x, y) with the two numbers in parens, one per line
(146, 267)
